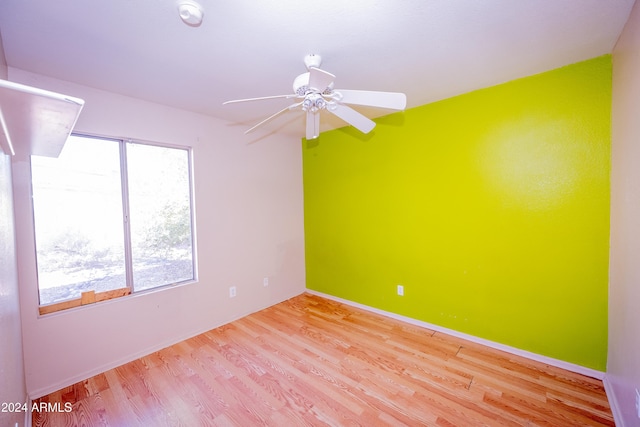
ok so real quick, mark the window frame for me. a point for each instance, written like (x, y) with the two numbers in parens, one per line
(91, 296)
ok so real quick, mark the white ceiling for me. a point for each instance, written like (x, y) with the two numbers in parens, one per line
(428, 49)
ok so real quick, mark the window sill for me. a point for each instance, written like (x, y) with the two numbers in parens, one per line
(89, 297)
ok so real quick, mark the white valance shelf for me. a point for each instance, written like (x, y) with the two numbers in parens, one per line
(35, 120)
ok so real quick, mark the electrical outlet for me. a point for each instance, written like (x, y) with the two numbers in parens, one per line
(265, 281)
(638, 403)
(232, 292)
(401, 290)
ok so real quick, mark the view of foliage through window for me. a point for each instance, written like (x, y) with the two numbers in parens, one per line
(160, 212)
(81, 218)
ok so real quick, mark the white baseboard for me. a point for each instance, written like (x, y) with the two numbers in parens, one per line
(616, 410)
(512, 350)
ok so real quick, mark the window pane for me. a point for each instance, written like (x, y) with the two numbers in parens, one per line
(160, 215)
(78, 219)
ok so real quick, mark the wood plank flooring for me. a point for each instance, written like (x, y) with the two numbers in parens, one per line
(313, 362)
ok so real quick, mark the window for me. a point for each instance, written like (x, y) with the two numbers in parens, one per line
(111, 217)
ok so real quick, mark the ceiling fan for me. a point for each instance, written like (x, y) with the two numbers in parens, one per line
(314, 92)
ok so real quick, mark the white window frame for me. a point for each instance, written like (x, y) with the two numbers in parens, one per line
(92, 297)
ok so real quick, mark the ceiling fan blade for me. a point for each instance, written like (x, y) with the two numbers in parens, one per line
(259, 99)
(391, 100)
(320, 79)
(290, 107)
(313, 124)
(351, 116)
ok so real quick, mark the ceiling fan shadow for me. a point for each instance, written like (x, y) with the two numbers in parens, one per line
(356, 134)
(395, 119)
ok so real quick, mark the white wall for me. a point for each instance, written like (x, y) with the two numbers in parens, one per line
(249, 222)
(623, 370)
(12, 382)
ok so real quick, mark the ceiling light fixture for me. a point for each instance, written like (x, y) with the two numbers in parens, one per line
(191, 13)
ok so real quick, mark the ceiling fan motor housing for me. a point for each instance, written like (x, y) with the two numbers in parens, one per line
(301, 86)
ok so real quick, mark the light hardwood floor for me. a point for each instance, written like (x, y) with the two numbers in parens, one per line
(311, 361)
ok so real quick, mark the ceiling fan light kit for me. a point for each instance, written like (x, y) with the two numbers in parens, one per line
(315, 92)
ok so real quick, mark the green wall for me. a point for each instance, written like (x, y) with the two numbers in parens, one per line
(491, 208)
